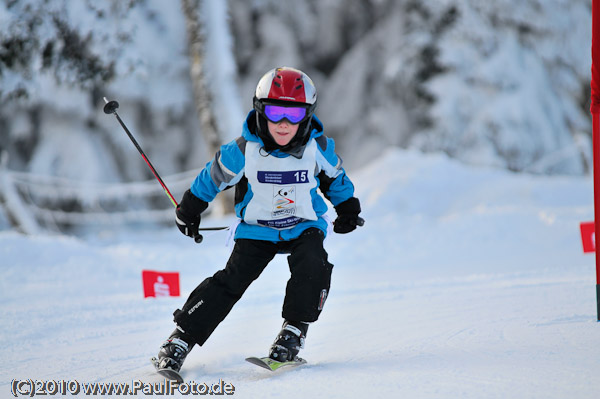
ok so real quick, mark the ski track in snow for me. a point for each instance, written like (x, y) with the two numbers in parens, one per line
(463, 283)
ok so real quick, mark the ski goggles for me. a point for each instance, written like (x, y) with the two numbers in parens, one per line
(277, 113)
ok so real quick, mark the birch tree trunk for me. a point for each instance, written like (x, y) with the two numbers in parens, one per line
(202, 95)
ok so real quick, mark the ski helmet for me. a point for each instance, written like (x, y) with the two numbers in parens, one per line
(285, 93)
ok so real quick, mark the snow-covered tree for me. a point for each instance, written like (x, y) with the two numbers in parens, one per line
(493, 83)
(515, 86)
(55, 38)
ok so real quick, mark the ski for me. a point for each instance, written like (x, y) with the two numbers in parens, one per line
(273, 365)
(167, 372)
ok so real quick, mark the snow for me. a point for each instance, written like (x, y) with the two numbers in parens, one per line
(464, 282)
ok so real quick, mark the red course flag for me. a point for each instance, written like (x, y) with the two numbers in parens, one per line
(588, 236)
(159, 284)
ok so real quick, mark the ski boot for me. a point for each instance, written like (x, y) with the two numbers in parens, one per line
(174, 350)
(289, 342)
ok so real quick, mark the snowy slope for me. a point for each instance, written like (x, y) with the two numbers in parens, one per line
(463, 283)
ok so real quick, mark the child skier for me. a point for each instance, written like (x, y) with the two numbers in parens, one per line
(276, 167)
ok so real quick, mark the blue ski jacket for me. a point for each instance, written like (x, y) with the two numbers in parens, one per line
(275, 191)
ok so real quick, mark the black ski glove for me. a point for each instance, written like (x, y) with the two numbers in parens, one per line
(348, 218)
(187, 214)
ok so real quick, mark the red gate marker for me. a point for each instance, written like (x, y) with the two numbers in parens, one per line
(588, 236)
(160, 284)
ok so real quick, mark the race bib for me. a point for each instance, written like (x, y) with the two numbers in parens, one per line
(281, 187)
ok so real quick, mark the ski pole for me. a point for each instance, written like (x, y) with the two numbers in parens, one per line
(111, 108)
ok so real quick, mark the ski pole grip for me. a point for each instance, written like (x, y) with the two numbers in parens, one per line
(198, 238)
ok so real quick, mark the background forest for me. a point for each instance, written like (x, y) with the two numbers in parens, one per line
(494, 83)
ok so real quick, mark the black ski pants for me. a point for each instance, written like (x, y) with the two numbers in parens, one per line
(305, 294)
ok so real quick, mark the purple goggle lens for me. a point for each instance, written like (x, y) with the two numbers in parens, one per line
(276, 113)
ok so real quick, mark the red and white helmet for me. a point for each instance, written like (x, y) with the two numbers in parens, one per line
(290, 94)
(286, 84)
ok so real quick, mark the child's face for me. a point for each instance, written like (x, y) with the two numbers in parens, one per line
(282, 132)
